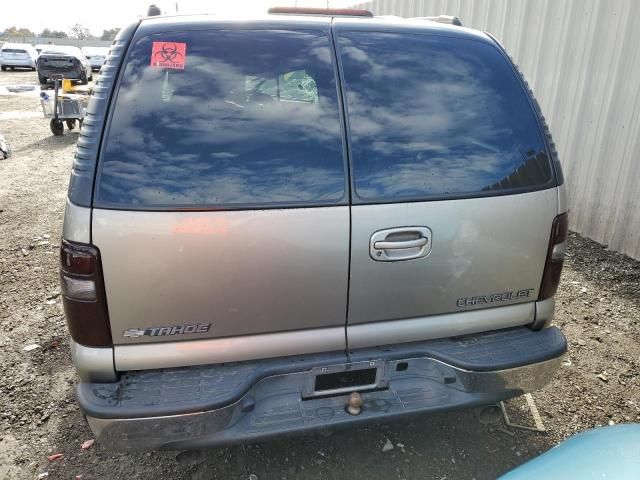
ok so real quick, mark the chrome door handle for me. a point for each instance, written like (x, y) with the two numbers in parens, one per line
(420, 242)
(400, 243)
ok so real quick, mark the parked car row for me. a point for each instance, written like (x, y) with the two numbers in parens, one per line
(48, 60)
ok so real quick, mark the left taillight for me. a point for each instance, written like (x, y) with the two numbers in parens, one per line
(555, 257)
(83, 294)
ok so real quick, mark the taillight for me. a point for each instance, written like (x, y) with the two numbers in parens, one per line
(83, 294)
(555, 257)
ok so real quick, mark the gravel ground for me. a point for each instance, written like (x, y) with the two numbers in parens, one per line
(598, 308)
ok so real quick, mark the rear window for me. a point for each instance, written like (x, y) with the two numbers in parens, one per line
(224, 118)
(62, 50)
(435, 116)
(13, 50)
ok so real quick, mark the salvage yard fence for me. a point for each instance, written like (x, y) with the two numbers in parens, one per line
(582, 60)
(58, 41)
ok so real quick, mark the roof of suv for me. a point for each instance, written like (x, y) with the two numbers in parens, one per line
(379, 24)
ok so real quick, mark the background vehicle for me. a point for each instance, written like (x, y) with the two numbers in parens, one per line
(96, 56)
(323, 210)
(64, 60)
(18, 55)
(603, 452)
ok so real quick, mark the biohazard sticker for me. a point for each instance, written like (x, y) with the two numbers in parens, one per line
(168, 55)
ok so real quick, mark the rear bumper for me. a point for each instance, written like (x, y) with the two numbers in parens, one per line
(17, 63)
(72, 74)
(197, 407)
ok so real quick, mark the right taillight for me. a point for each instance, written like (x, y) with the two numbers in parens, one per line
(83, 294)
(555, 257)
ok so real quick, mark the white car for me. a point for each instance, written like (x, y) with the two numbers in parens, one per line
(18, 55)
(96, 56)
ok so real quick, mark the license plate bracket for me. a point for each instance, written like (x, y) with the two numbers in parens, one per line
(346, 378)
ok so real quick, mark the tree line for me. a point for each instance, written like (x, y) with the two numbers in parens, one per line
(78, 31)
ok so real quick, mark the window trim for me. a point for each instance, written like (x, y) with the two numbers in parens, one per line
(320, 31)
(357, 200)
(542, 125)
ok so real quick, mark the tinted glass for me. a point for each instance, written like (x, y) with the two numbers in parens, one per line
(13, 50)
(242, 118)
(437, 116)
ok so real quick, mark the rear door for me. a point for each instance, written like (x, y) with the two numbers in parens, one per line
(221, 200)
(453, 191)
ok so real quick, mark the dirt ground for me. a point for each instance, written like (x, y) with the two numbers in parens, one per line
(598, 308)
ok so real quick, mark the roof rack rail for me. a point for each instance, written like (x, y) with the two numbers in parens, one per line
(449, 19)
(350, 12)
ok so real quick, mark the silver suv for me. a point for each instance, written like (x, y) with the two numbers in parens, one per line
(303, 221)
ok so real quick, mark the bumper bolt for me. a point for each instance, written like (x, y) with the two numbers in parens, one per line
(354, 405)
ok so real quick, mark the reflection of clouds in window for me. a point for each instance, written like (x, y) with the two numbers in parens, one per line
(445, 175)
(223, 155)
(218, 142)
(280, 183)
(433, 115)
(320, 53)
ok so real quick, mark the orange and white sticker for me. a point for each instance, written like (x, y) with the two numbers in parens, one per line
(168, 55)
